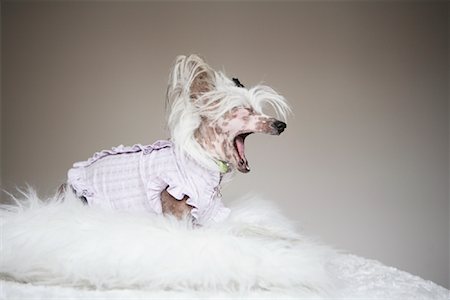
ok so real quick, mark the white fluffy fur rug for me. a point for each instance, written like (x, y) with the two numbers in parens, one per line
(68, 244)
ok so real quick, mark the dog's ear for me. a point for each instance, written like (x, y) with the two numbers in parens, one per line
(201, 83)
(191, 77)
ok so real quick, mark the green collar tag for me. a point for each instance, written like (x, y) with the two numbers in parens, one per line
(223, 166)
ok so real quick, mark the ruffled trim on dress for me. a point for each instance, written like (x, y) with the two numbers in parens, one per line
(121, 149)
(194, 210)
(76, 175)
(178, 192)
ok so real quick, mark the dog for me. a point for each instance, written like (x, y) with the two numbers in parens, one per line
(209, 119)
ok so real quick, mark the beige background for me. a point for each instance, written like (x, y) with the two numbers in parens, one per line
(364, 162)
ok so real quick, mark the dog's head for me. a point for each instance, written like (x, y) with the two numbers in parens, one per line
(211, 115)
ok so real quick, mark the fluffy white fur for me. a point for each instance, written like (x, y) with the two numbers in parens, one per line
(221, 96)
(68, 244)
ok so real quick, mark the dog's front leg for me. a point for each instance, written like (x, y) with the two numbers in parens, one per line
(172, 206)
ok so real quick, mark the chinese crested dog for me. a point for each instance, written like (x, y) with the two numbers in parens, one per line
(209, 120)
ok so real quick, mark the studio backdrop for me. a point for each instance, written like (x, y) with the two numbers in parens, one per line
(363, 163)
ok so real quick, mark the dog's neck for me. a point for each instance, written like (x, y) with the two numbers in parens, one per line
(209, 143)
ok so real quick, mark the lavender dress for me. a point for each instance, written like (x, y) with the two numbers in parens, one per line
(132, 179)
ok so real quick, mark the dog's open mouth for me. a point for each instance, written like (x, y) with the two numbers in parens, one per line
(239, 145)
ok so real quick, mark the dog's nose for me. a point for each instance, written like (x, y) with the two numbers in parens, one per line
(279, 126)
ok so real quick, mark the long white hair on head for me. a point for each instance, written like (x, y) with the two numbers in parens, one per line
(188, 74)
(195, 90)
(227, 95)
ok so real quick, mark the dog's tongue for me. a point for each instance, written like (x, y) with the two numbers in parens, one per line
(240, 145)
